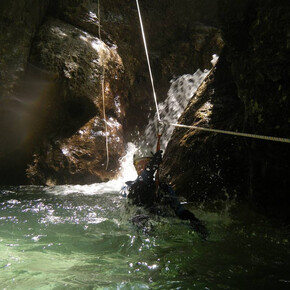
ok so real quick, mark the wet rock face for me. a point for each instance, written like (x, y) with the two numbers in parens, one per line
(261, 72)
(248, 92)
(209, 166)
(79, 61)
(74, 114)
(80, 159)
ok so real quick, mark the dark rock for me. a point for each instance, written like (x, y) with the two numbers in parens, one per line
(19, 21)
(250, 94)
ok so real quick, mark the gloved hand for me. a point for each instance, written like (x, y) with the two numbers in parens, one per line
(195, 223)
(156, 159)
(154, 162)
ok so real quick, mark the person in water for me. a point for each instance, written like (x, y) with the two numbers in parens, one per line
(146, 192)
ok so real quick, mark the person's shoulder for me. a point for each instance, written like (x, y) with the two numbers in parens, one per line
(128, 183)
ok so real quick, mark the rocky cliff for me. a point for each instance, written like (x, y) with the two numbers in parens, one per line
(247, 92)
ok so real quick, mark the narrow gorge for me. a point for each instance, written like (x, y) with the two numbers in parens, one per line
(54, 57)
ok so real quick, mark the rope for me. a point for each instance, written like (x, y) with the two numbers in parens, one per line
(263, 137)
(270, 138)
(148, 60)
(103, 94)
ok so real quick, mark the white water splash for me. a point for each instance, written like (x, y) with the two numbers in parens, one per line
(127, 172)
(180, 93)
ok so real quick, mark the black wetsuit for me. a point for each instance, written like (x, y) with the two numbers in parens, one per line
(142, 192)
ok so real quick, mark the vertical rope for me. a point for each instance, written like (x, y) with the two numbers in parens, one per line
(148, 60)
(103, 93)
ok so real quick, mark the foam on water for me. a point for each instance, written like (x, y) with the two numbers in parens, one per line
(127, 172)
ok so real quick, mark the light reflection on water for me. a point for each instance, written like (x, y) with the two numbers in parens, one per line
(51, 240)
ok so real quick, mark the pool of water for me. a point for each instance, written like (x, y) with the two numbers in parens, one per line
(81, 237)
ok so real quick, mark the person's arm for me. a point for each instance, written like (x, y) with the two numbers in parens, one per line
(195, 223)
(183, 213)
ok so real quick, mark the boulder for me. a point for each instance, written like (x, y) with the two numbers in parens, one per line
(72, 125)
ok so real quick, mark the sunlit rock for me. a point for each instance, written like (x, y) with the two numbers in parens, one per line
(75, 113)
(81, 158)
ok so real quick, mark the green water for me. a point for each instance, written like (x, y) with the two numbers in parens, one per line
(81, 238)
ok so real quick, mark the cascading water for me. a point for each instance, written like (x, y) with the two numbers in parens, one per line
(180, 93)
(81, 237)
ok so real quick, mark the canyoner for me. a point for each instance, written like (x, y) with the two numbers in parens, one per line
(147, 190)
(154, 197)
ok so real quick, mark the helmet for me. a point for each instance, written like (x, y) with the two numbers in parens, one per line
(141, 153)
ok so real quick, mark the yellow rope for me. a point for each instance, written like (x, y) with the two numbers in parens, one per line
(103, 93)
